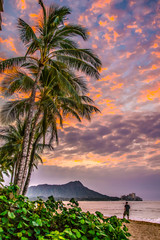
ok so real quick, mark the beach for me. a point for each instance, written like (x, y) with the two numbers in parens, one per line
(144, 215)
(143, 230)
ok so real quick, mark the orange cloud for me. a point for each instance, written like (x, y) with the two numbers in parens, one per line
(110, 29)
(103, 24)
(132, 3)
(97, 96)
(117, 86)
(151, 94)
(128, 54)
(96, 37)
(109, 107)
(111, 37)
(83, 18)
(115, 36)
(157, 141)
(155, 45)
(99, 5)
(153, 67)
(107, 37)
(94, 46)
(157, 54)
(135, 26)
(34, 17)
(111, 18)
(103, 69)
(9, 44)
(88, 160)
(132, 26)
(139, 30)
(149, 79)
(110, 77)
(21, 4)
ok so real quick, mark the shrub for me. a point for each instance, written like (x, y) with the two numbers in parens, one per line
(43, 220)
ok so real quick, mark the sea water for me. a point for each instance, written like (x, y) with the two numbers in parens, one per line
(148, 211)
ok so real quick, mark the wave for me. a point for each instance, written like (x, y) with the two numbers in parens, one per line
(156, 220)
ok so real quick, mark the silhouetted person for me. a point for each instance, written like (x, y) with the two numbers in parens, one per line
(126, 210)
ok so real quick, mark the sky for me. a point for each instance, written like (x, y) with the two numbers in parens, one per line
(118, 151)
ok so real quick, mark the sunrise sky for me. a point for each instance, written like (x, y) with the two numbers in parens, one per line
(118, 152)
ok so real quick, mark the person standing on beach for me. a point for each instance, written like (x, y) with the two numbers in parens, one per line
(126, 210)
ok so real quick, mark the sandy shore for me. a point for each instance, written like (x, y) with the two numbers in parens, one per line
(143, 230)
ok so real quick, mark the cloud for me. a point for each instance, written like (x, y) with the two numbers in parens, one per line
(9, 44)
(21, 4)
(98, 5)
(118, 141)
(151, 94)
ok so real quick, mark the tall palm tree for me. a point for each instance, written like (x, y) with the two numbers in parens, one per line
(53, 101)
(56, 49)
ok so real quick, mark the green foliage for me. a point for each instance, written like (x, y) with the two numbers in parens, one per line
(26, 220)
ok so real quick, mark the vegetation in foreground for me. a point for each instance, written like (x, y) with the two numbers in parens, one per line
(26, 220)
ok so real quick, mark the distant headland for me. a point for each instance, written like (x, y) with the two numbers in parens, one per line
(131, 197)
(67, 191)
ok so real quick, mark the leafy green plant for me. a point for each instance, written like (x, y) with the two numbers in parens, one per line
(43, 220)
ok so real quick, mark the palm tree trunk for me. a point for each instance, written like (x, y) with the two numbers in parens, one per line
(16, 169)
(28, 179)
(27, 131)
(13, 173)
(31, 164)
(30, 146)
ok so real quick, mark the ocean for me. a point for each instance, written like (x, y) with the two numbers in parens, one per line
(148, 211)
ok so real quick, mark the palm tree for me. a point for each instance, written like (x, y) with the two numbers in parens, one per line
(10, 151)
(56, 50)
(53, 102)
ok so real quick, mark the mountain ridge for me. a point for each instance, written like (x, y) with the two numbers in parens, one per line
(73, 189)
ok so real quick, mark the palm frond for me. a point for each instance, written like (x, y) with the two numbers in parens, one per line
(80, 85)
(54, 132)
(12, 109)
(56, 16)
(72, 30)
(88, 110)
(38, 158)
(83, 54)
(26, 32)
(16, 81)
(44, 11)
(10, 63)
(70, 111)
(32, 48)
(79, 65)
(66, 43)
(67, 86)
(87, 99)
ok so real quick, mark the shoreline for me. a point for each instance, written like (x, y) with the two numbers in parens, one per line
(139, 220)
(141, 230)
(143, 221)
